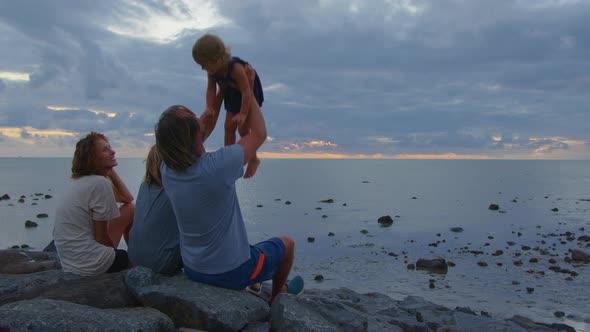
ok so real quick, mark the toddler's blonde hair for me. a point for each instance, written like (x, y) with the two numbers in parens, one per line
(210, 48)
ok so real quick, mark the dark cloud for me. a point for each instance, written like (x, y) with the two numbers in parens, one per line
(441, 76)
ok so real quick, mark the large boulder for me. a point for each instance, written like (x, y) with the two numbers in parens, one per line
(345, 310)
(339, 310)
(195, 305)
(23, 261)
(12, 283)
(51, 315)
(102, 291)
(289, 313)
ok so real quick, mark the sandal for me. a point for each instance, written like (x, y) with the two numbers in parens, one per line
(254, 290)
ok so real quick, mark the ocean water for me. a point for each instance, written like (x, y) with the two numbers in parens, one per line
(424, 197)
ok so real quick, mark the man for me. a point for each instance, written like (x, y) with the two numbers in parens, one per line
(201, 187)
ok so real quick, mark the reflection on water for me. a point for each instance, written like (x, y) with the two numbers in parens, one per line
(425, 199)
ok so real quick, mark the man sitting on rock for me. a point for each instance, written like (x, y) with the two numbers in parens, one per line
(201, 187)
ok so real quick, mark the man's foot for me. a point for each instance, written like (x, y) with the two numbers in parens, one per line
(252, 167)
(295, 286)
(255, 289)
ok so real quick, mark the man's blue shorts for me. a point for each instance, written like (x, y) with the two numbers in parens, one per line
(265, 260)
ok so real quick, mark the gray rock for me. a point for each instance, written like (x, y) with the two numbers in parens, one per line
(30, 223)
(385, 221)
(289, 313)
(438, 265)
(23, 261)
(529, 325)
(195, 305)
(102, 291)
(257, 327)
(337, 310)
(580, 256)
(18, 283)
(50, 247)
(51, 315)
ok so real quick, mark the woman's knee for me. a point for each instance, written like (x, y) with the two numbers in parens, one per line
(127, 210)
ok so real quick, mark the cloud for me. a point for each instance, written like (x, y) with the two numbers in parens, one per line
(374, 78)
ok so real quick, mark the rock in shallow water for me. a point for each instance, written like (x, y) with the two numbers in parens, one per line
(580, 256)
(438, 265)
(385, 221)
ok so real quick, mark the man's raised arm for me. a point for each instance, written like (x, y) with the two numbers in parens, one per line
(209, 120)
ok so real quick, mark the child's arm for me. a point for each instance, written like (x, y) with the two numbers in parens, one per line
(241, 78)
(122, 194)
(211, 92)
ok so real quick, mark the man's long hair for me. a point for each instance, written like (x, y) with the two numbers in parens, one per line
(84, 161)
(176, 134)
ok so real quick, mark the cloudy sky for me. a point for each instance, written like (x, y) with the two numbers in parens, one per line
(342, 78)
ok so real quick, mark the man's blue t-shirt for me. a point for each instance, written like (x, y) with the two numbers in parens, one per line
(213, 237)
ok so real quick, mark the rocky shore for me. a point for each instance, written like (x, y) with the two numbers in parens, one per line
(36, 295)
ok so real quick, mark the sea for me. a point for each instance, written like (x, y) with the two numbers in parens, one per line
(500, 259)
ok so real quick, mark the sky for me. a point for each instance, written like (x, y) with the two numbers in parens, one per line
(450, 79)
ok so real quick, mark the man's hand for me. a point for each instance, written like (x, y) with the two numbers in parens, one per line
(239, 118)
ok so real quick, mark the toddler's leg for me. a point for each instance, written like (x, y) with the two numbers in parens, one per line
(230, 129)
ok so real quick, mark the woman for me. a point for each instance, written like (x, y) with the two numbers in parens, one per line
(155, 239)
(88, 222)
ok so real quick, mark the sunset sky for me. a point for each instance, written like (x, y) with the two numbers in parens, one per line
(506, 79)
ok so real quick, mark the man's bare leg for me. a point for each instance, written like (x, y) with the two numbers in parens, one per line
(279, 279)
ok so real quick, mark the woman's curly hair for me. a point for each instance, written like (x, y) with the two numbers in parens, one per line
(84, 161)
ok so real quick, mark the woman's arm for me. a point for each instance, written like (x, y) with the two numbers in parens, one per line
(122, 194)
(210, 119)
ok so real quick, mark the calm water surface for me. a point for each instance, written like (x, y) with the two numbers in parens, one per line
(425, 198)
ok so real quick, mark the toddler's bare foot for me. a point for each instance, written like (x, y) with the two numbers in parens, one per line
(252, 167)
